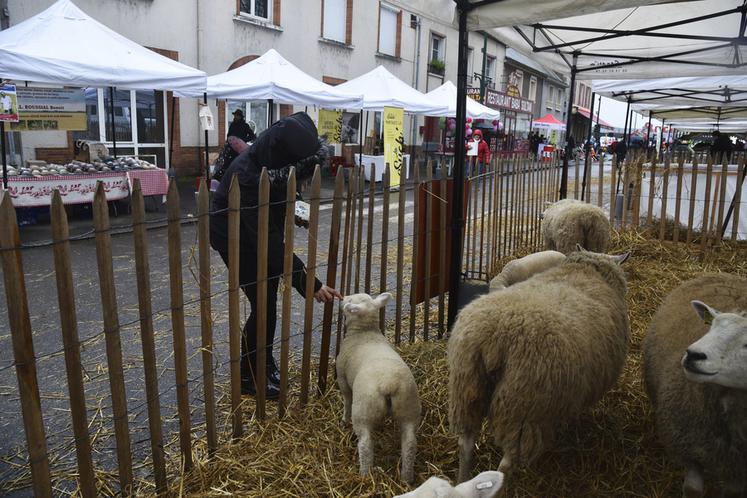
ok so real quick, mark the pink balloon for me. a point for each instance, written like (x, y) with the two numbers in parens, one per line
(452, 125)
(469, 120)
(468, 132)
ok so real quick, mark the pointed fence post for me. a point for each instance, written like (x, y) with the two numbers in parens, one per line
(290, 213)
(308, 318)
(263, 229)
(234, 317)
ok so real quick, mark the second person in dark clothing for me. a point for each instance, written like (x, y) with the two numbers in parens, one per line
(240, 128)
(292, 141)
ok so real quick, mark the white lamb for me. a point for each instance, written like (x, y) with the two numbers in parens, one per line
(485, 485)
(521, 269)
(375, 381)
(569, 222)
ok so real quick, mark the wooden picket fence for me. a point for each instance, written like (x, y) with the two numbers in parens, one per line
(503, 216)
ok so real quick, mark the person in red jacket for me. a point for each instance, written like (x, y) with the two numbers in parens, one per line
(483, 151)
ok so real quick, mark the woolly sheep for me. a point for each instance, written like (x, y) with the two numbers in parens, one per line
(485, 485)
(521, 269)
(569, 222)
(535, 354)
(375, 381)
(695, 372)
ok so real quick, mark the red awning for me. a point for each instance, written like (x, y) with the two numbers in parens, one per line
(585, 113)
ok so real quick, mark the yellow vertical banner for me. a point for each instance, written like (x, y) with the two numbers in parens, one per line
(394, 142)
(330, 125)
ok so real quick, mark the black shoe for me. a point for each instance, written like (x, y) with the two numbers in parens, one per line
(272, 391)
(273, 374)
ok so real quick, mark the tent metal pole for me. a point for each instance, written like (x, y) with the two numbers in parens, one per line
(648, 133)
(661, 137)
(207, 160)
(111, 114)
(568, 130)
(360, 139)
(2, 151)
(588, 141)
(457, 218)
(171, 133)
(627, 117)
(365, 133)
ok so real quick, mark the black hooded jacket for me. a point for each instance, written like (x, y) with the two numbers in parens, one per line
(290, 142)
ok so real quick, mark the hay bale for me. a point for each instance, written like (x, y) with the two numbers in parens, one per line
(611, 451)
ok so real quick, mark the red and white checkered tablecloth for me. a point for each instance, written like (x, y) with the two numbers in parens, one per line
(152, 181)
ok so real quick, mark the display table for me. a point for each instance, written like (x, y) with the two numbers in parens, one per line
(379, 165)
(80, 189)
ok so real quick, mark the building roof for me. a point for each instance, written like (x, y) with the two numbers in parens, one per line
(529, 63)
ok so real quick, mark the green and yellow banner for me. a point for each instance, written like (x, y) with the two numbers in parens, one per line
(394, 142)
(330, 125)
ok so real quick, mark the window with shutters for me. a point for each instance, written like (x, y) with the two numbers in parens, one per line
(551, 98)
(490, 71)
(261, 9)
(334, 18)
(532, 95)
(390, 20)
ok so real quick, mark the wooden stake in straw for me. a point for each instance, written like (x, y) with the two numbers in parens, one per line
(111, 333)
(384, 242)
(344, 277)
(401, 202)
(359, 246)
(600, 185)
(147, 337)
(691, 212)
(651, 191)
(664, 199)
(206, 319)
(177, 323)
(234, 318)
(415, 235)
(369, 232)
(678, 200)
(722, 197)
(23, 348)
(737, 199)
(310, 280)
(69, 326)
(263, 230)
(442, 207)
(290, 212)
(428, 245)
(613, 190)
(706, 206)
(334, 245)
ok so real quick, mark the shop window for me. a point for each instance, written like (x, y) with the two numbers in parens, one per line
(92, 131)
(254, 112)
(334, 20)
(256, 8)
(150, 117)
(532, 95)
(390, 23)
(122, 116)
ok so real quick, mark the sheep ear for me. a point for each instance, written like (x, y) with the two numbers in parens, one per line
(484, 485)
(705, 312)
(382, 299)
(620, 258)
(580, 248)
(351, 308)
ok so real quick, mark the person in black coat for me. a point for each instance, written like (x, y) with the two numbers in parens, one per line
(240, 128)
(292, 141)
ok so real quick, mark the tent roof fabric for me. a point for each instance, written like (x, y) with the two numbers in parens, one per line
(699, 113)
(716, 91)
(623, 39)
(271, 76)
(528, 62)
(548, 119)
(381, 88)
(447, 94)
(64, 46)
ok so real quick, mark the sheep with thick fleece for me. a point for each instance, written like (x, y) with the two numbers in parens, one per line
(569, 222)
(535, 354)
(695, 372)
(485, 485)
(375, 382)
(521, 269)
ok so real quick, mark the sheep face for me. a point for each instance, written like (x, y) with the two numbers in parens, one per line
(358, 308)
(720, 356)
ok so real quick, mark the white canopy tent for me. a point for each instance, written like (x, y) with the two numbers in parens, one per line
(272, 77)
(607, 39)
(447, 94)
(710, 125)
(380, 88)
(64, 46)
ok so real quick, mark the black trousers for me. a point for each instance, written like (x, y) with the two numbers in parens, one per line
(247, 281)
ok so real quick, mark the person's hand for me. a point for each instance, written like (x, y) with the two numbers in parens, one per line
(326, 294)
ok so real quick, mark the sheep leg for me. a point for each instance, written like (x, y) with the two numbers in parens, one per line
(466, 452)
(347, 396)
(693, 486)
(506, 464)
(409, 450)
(365, 449)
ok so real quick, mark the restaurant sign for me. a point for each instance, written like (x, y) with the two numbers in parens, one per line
(474, 94)
(498, 100)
